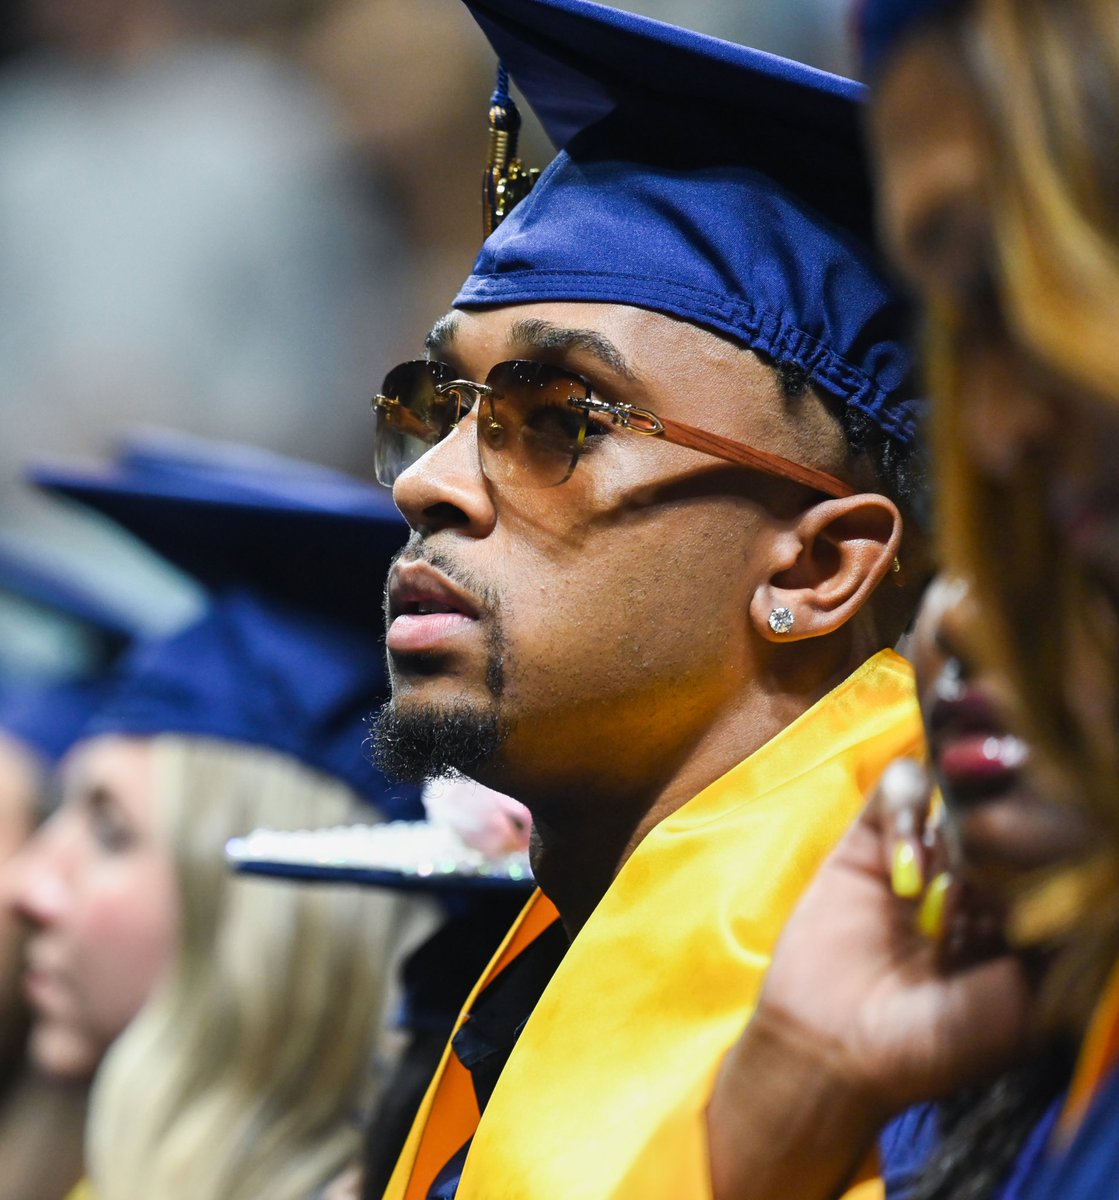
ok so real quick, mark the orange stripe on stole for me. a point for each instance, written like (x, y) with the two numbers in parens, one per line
(450, 1115)
(1099, 1054)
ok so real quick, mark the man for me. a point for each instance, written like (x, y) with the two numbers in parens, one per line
(670, 647)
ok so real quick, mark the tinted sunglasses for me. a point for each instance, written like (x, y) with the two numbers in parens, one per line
(533, 420)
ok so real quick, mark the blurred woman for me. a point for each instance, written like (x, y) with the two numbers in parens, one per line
(20, 782)
(236, 1018)
(994, 124)
(58, 642)
(247, 1070)
(41, 1119)
(1000, 204)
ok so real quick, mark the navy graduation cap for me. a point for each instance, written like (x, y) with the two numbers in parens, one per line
(704, 180)
(881, 24)
(48, 718)
(287, 654)
(51, 587)
(227, 514)
(47, 714)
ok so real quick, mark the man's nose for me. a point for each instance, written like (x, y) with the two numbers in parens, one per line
(445, 487)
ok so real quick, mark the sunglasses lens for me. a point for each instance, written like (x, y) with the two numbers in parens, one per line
(528, 433)
(411, 416)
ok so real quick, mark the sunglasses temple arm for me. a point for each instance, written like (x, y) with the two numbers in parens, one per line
(742, 455)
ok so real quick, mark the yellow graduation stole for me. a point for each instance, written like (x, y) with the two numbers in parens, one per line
(605, 1091)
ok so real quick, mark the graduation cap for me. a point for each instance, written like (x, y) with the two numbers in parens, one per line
(226, 514)
(881, 24)
(286, 655)
(48, 718)
(57, 590)
(701, 179)
(48, 713)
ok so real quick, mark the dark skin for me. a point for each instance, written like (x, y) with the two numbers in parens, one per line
(633, 600)
(867, 1008)
(831, 1054)
(870, 1006)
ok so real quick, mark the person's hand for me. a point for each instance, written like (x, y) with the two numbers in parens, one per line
(893, 967)
(875, 1000)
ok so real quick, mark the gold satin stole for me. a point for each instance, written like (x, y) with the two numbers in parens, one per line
(604, 1093)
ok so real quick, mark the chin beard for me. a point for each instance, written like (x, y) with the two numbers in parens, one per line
(427, 742)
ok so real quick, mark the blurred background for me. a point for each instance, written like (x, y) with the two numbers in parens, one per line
(229, 217)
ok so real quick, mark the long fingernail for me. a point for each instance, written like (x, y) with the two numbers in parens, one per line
(930, 916)
(905, 873)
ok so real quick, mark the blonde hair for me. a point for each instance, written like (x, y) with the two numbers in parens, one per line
(246, 1075)
(1045, 75)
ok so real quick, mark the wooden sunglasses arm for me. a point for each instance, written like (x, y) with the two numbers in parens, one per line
(747, 456)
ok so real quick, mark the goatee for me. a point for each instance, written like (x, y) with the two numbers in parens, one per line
(427, 742)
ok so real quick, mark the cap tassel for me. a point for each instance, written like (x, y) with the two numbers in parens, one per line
(506, 180)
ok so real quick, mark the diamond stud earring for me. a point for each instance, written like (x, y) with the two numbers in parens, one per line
(781, 620)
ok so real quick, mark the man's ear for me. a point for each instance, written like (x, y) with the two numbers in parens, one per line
(826, 565)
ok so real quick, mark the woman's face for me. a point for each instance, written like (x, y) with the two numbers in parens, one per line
(19, 795)
(998, 822)
(936, 167)
(95, 890)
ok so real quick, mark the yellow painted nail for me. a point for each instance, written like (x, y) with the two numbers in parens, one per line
(930, 916)
(905, 876)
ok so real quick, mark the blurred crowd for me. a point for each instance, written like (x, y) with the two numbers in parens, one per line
(221, 221)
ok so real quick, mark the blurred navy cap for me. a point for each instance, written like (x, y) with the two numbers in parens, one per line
(48, 585)
(232, 515)
(48, 713)
(881, 24)
(257, 670)
(287, 655)
(704, 180)
(50, 717)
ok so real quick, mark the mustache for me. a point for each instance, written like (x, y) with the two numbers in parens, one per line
(418, 549)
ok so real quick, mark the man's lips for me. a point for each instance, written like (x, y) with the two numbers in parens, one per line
(425, 608)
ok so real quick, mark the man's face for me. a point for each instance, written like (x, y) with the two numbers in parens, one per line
(599, 626)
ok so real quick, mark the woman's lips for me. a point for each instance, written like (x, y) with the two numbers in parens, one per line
(980, 763)
(974, 756)
(43, 990)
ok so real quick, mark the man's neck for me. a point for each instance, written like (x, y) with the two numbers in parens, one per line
(579, 847)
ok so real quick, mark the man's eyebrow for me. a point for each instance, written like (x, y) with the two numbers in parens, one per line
(442, 333)
(541, 335)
